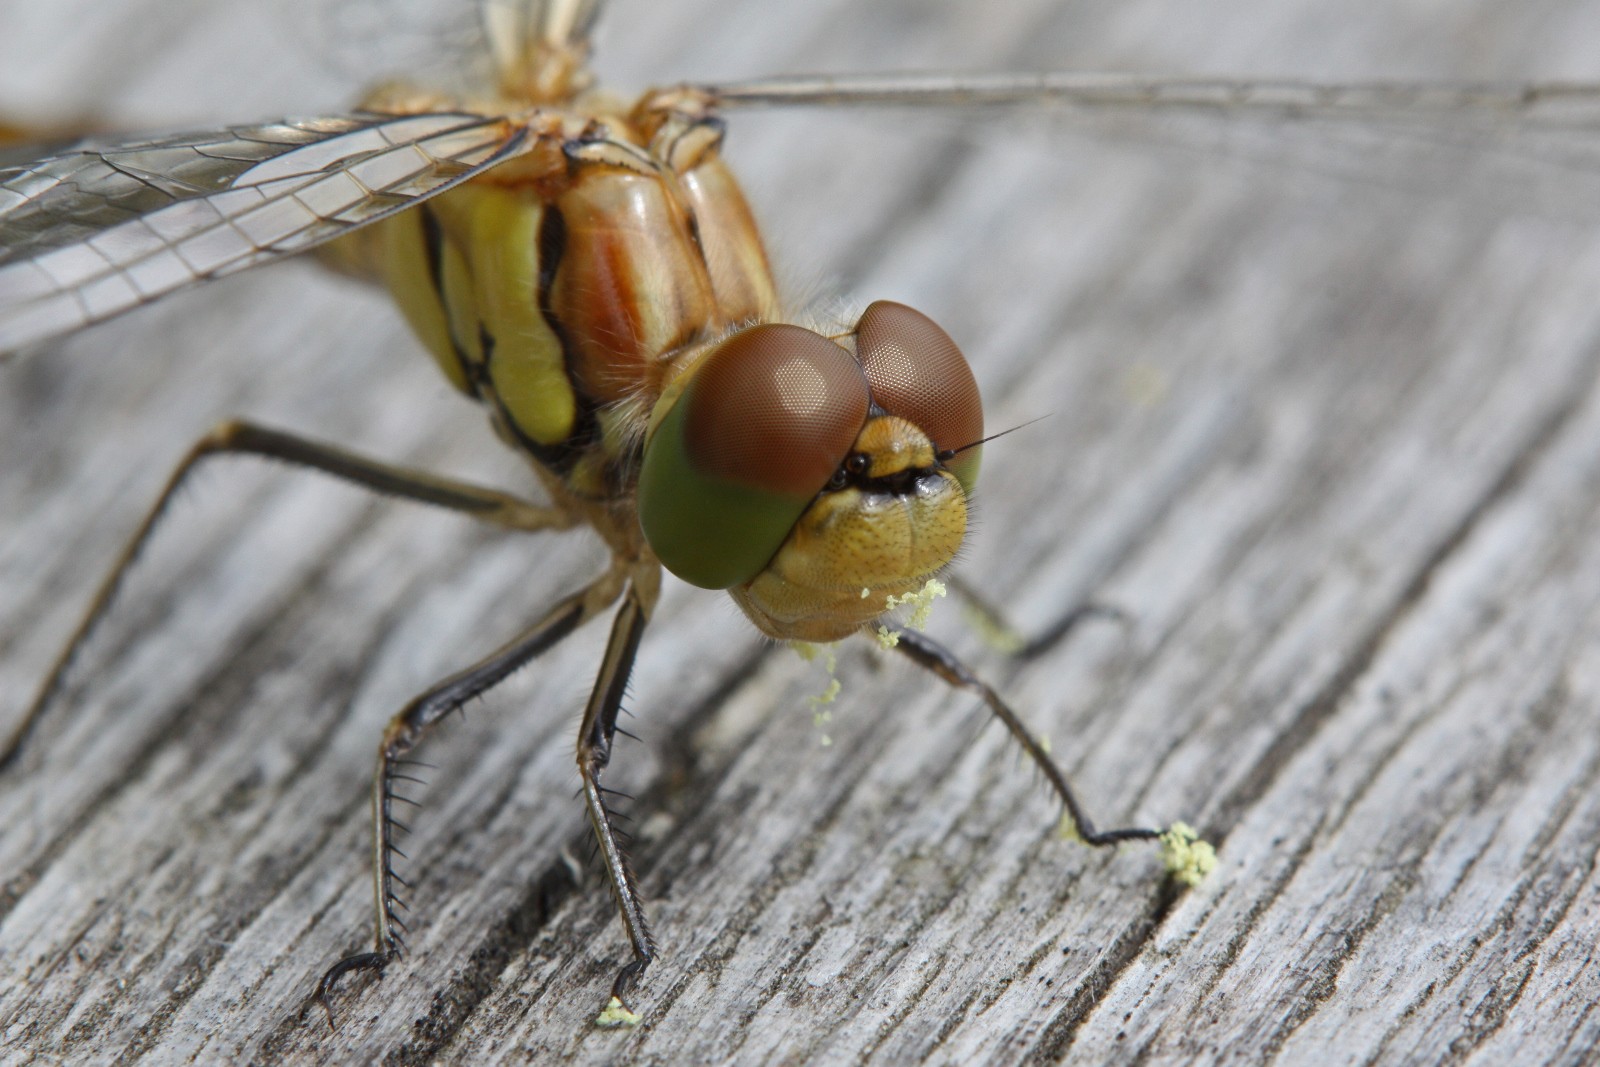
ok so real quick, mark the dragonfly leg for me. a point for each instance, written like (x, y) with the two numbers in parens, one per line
(595, 736)
(244, 438)
(928, 653)
(408, 728)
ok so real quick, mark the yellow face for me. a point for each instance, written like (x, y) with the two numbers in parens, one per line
(898, 524)
(814, 479)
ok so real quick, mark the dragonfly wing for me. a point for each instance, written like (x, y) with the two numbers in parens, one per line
(1515, 146)
(513, 28)
(91, 232)
(1091, 89)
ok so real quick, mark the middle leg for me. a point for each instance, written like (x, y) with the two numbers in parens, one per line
(595, 737)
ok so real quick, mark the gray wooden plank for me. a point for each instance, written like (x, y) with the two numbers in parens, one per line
(1328, 444)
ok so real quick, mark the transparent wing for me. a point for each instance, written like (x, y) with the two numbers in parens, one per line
(455, 47)
(1528, 146)
(89, 233)
(1555, 101)
(513, 28)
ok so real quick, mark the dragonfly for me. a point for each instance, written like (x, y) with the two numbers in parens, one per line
(395, 191)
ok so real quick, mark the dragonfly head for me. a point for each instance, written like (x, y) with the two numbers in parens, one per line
(814, 478)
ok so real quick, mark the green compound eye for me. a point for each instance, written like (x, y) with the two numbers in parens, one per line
(765, 422)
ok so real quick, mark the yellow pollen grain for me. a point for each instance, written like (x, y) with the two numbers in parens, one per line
(617, 1016)
(1187, 858)
(820, 718)
(921, 603)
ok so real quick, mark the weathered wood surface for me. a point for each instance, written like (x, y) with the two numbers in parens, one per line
(1334, 449)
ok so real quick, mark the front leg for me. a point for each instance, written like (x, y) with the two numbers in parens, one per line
(407, 728)
(928, 653)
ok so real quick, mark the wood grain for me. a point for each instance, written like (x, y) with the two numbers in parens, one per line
(1326, 432)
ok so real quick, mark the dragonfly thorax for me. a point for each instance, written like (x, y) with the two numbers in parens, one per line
(559, 288)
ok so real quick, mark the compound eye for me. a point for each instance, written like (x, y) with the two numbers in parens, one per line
(775, 408)
(917, 372)
(762, 426)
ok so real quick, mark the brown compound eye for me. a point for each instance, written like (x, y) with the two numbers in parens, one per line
(917, 372)
(775, 408)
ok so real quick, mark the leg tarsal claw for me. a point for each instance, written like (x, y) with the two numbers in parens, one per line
(361, 961)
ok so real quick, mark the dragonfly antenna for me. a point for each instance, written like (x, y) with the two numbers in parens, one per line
(953, 452)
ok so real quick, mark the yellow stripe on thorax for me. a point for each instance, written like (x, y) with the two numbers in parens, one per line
(470, 290)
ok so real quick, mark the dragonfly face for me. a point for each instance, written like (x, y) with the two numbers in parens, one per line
(815, 482)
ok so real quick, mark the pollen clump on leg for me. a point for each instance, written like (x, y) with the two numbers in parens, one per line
(1187, 858)
(921, 604)
(616, 1016)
